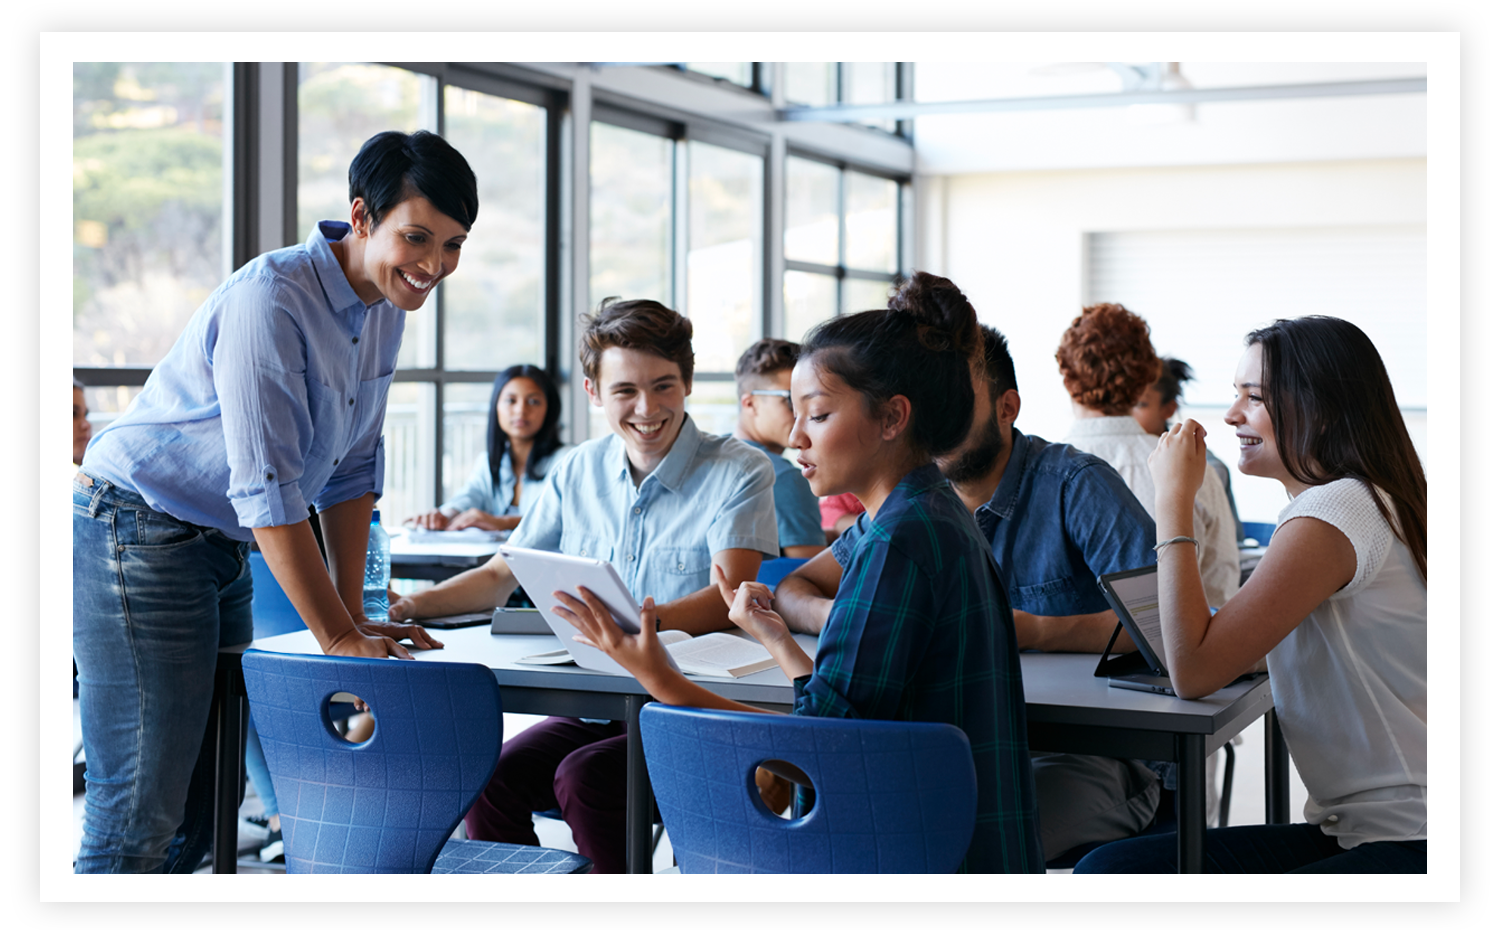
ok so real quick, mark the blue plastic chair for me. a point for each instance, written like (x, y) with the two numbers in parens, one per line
(271, 608)
(889, 796)
(390, 803)
(1260, 532)
(773, 570)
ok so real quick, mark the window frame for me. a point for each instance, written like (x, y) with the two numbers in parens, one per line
(261, 195)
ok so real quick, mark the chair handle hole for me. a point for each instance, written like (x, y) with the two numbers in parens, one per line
(346, 720)
(782, 789)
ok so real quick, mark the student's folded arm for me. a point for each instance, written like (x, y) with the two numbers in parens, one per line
(804, 597)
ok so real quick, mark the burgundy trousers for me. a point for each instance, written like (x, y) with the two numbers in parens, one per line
(562, 763)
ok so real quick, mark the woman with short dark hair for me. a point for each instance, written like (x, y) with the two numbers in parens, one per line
(1337, 607)
(273, 397)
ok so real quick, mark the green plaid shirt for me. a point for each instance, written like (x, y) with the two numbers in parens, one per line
(921, 630)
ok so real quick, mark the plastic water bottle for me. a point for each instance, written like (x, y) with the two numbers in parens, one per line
(377, 571)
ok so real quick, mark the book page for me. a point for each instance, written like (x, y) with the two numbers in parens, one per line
(721, 654)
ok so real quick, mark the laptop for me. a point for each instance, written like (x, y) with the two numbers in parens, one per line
(1133, 596)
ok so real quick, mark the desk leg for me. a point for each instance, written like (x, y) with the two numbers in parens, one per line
(229, 711)
(1192, 816)
(637, 790)
(1278, 789)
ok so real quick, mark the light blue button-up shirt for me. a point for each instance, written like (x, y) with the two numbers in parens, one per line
(710, 493)
(482, 493)
(274, 395)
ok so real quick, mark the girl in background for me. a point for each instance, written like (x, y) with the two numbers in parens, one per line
(520, 444)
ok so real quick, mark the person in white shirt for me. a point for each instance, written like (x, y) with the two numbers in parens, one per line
(1107, 363)
(1338, 605)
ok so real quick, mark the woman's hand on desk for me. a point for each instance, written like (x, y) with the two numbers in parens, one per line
(377, 639)
(431, 520)
(419, 637)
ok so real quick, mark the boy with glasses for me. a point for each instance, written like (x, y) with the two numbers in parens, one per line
(763, 380)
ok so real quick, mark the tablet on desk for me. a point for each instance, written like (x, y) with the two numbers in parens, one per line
(1133, 596)
(454, 621)
(1136, 603)
(541, 573)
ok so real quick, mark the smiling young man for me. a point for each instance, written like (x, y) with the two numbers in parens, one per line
(1055, 519)
(659, 500)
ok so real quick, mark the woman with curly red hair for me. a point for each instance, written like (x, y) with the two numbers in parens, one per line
(1107, 363)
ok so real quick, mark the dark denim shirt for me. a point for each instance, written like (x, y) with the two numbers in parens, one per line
(1059, 519)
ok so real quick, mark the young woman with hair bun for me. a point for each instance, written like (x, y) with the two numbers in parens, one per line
(920, 628)
(1337, 607)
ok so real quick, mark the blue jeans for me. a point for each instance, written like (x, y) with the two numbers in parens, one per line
(153, 601)
(1267, 849)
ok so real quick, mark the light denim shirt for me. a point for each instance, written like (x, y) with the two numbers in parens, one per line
(710, 493)
(273, 395)
(483, 494)
(798, 521)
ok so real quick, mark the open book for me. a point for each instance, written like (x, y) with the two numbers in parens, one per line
(717, 655)
(712, 655)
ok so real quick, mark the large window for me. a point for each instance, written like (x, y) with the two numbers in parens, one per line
(678, 212)
(825, 83)
(841, 242)
(148, 213)
(492, 313)
(681, 221)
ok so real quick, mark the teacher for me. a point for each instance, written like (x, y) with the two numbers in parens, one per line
(272, 398)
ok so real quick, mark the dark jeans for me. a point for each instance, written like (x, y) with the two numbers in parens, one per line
(559, 763)
(1298, 848)
(154, 599)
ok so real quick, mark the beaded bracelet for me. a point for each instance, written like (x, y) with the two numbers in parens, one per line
(1175, 539)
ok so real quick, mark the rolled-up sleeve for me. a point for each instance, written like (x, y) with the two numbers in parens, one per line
(747, 518)
(259, 358)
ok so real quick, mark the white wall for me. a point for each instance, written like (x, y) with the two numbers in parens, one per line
(1016, 243)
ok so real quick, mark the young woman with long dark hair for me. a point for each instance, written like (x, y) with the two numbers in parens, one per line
(521, 443)
(1337, 607)
(920, 628)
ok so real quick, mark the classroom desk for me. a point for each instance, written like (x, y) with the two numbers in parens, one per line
(436, 561)
(1067, 711)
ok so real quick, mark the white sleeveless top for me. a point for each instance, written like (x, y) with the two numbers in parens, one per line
(1350, 681)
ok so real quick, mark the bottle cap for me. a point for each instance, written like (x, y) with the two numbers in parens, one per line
(375, 516)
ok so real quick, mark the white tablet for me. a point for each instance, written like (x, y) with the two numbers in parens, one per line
(541, 573)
